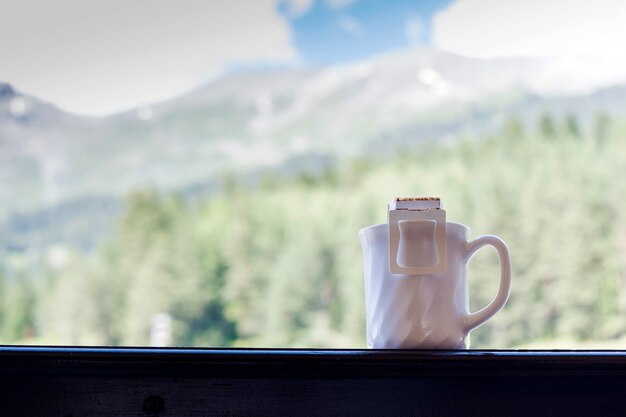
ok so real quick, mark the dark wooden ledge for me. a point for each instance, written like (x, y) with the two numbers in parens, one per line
(71, 381)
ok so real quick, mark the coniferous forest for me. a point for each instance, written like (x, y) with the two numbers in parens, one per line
(279, 264)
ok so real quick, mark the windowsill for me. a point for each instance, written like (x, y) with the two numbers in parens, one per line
(74, 381)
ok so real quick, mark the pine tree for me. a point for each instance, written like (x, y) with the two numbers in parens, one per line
(572, 127)
(547, 126)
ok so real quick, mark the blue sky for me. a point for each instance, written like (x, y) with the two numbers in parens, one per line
(329, 31)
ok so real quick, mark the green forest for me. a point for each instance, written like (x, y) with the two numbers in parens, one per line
(279, 265)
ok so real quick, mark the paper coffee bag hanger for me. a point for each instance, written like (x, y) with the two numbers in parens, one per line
(417, 236)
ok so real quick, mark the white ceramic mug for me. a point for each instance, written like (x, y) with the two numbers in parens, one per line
(426, 311)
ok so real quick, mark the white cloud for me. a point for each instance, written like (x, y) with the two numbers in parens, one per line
(496, 28)
(298, 7)
(100, 56)
(351, 25)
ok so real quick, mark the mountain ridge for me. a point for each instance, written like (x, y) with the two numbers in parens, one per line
(258, 120)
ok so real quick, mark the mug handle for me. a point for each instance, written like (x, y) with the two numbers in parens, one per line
(473, 320)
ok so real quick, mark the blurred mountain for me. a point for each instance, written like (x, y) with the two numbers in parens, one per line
(286, 121)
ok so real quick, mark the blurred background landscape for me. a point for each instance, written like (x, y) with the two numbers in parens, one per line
(220, 206)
